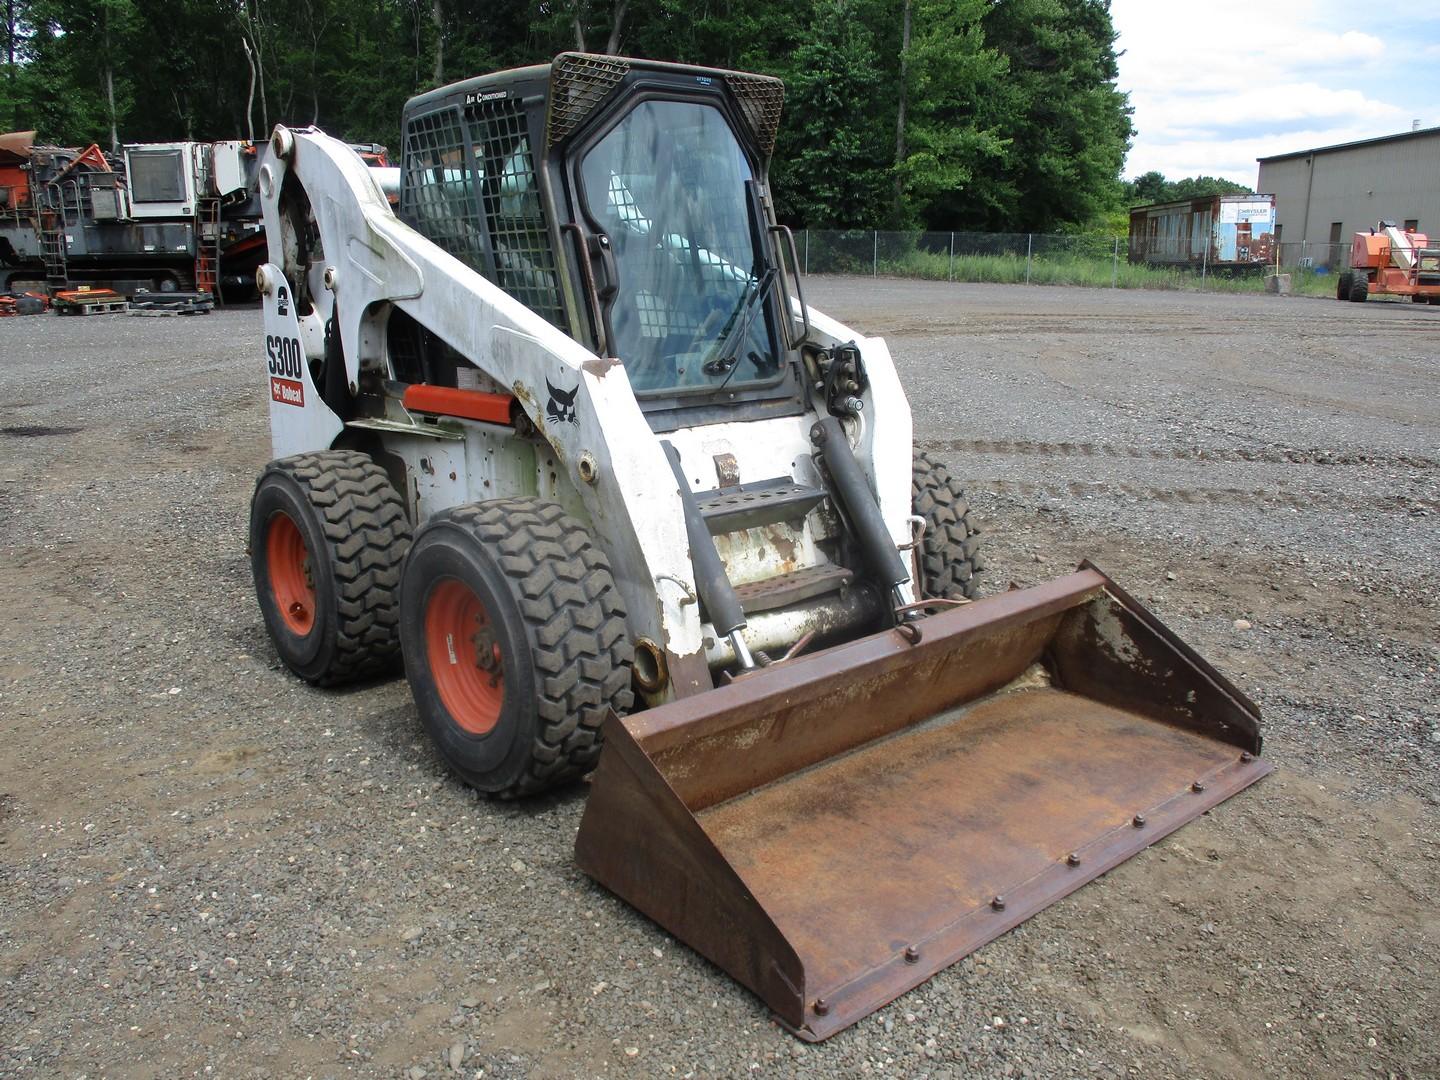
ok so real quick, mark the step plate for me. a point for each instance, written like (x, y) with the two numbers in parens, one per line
(792, 588)
(729, 510)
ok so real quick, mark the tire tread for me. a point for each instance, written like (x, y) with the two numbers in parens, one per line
(576, 620)
(368, 532)
(950, 560)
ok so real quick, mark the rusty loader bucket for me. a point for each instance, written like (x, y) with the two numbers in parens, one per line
(834, 830)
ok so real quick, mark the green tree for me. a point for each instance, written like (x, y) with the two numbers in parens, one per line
(15, 89)
(941, 146)
(832, 168)
(1152, 187)
(1197, 187)
(997, 114)
(70, 73)
(1067, 123)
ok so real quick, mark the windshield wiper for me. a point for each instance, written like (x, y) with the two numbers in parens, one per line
(725, 359)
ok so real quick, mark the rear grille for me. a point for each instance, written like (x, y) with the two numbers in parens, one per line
(435, 196)
(504, 168)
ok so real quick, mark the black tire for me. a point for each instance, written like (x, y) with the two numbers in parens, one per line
(355, 533)
(1360, 289)
(1342, 285)
(548, 621)
(950, 561)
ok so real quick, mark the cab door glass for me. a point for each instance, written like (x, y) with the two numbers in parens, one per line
(667, 186)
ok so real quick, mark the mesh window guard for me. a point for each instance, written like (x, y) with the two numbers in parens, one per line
(761, 100)
(579, 82)
(504, 166)
(436, 192)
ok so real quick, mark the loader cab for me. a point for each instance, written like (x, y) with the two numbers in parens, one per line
(626, 202)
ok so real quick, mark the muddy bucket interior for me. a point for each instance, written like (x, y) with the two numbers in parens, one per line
(834, 830)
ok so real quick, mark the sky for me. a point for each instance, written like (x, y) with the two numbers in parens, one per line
(1217, 83)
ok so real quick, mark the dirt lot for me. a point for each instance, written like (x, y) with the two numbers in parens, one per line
(208, 869)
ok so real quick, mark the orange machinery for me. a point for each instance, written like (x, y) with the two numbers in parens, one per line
(1390, 261)
(14, 180)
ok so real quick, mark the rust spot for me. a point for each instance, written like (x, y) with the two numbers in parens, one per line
(784, 545)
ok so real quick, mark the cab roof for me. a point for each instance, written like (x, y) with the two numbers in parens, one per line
(575, 84)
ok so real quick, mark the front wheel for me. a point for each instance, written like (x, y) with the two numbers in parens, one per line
(1360, 289)
(1343, 284)
(950, 561)
(515, 643)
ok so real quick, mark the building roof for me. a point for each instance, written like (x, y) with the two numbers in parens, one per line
(1351, 145)
(1205, 200)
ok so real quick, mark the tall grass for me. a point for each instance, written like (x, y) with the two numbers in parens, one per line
(1062, 268)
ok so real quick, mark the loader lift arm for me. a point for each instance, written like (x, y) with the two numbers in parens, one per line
(379, 262)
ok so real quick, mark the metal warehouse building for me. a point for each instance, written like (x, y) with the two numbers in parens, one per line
(1324, 196)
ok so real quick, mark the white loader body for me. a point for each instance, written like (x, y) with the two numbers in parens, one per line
(375, 263)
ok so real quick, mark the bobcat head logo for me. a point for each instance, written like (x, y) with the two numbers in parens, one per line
(561, 408)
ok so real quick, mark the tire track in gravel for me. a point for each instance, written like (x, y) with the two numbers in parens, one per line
(1226, 455)
(1192, 496)
(1135, 326)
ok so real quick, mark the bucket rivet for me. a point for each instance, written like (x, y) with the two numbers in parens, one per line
(998, 903)
(1138, 821)
(821, 1006)
(1198, 785)
(1247, 756)
(912, 954)
(1073, 858)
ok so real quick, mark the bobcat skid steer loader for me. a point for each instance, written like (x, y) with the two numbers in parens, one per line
(564, 436)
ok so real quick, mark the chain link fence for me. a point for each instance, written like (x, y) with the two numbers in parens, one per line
(1092, 259)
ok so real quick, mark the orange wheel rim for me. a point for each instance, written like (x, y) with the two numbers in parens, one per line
(291, 581)
(464, 656)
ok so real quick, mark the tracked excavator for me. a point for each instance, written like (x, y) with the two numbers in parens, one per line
(561, 434)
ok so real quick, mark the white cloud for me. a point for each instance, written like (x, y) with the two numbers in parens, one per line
(1270, 104)
(1214, 86)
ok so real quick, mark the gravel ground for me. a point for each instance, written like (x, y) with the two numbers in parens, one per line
(208, 869)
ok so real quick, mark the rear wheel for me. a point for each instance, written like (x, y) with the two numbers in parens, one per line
(949, 554)
(1360, 288)
(515, 643)
(328, 533)
(1342, 285)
